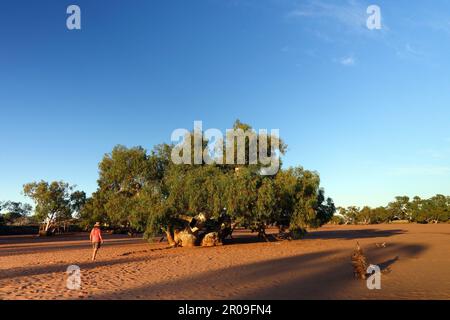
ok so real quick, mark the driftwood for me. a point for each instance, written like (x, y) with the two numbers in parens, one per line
(185, 238)
(169, 237)
(381, 245)
(199, 231)
(283, 235)
(211, 239)
(359, 263)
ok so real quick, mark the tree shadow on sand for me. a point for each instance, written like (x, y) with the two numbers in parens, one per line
(386, 265)
(317, 275)
(247, 237)
(42, 247)
(353, 234)
(62, 267)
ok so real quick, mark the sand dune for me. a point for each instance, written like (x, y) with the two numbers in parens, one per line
(317, 267)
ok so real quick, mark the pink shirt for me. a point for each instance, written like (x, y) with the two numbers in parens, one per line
(96, 235)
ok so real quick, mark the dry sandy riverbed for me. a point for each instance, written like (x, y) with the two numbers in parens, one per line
(317, 267)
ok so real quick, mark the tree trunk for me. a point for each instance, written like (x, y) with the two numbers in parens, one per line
(198, 230)
(47, 225)
(262, 234)
(49, 222)
(170, 239)
(211, 239)
(185, 238)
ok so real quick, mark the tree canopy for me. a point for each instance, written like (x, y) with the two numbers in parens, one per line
(55, 202)
(14, 212)
(146, 191)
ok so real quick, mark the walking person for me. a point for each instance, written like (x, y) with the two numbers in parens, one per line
(96, 239)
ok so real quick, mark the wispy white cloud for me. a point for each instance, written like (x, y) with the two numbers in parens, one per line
(345, 23)
(347, 61)
(439, 25)
(436, 22)
(433, 153)
(351, 14)
(421, 171)
(300, 13)
(436, 153)
(408, 51)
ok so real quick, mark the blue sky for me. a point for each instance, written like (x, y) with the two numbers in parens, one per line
(369, 110)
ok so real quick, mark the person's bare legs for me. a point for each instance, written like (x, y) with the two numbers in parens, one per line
(94, 253)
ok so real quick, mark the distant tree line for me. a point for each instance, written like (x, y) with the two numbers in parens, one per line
(433, 210)
(15, 213)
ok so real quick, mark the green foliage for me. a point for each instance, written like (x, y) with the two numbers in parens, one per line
(261, 147)
(128, 179)
(15, 212)
(147, 192)
(77, 201)
(435, 209)
(400, 209)
(54, 201)
(93, 211)
(2, 219)
(337, 220)
(241, 196)
(304, 200)
(190, 190)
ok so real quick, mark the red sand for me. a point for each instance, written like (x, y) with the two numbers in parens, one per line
(317, 267)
